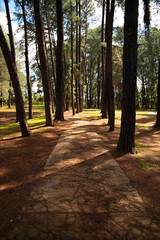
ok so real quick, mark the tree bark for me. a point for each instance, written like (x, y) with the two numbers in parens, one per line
(127, 135)
(44, 63)
(52, 57)
(72, 97)
(77, 57)
(109, 92)
(11, 41)
(79, 62)
(9, 94)
(1, 102)
(90, 86)
(98, 83)
(104, 112)
(16, 85)
(59, 64)
(157, 124)
(84, 64)
(27, 63)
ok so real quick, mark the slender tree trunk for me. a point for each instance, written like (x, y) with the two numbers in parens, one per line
(79, 62)
(77, 57)
(85, 53)
(72, 97)
(98, 83)
(27, 63)
(59, 64)
(105, 84)
(11, 41)
(87, 94)
(109, 92)
(90, 86)
(1, 98)
(103, 110)
(16, 85)
(143, 93)
(9, 94)
(157, 124)
(52, 57)
(127, 135)
(43, 63)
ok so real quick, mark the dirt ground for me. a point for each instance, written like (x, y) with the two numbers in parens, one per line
(22, 161)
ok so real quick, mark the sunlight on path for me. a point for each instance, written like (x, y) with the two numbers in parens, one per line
(84, 196)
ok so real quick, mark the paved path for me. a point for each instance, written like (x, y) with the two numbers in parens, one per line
(84, 196)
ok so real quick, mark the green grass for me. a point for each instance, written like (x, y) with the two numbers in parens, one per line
(36, 106)
(138, 155)
(143, 125)
(104, 123)
(90, 109)
(6, 109)
(36, 121)
(147, 166)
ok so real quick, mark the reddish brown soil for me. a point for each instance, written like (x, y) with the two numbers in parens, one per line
(22, 161)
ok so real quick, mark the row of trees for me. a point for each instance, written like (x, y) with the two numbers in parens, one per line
(86, 68)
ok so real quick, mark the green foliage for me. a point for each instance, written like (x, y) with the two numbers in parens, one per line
(148, 56)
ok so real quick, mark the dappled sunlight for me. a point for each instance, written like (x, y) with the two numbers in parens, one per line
(4, 171)
(8, 186)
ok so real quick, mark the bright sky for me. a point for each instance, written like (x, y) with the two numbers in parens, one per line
(119, 16)
(118, 20)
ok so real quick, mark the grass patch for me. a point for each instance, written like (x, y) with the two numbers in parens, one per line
(143, 125)
(90, 109)
(118, 117)
(138, 155)
(141, 147)
(36, 106)
(147, 166)
(104, 123)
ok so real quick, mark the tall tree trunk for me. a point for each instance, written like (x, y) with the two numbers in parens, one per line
(143, 93)
(16, 85)
(84, 61)
(27, 63)
(79, 62)
(9, 94)
(72, 97)
(51, 55)
(1, 102)
(90, 86)
(77, 57)
(157, 124)
(109, 92)
(127, 135)
(103, 110)
(44, 63)
(59, 64)
(98, 83)
(87, 93)
(11, 41)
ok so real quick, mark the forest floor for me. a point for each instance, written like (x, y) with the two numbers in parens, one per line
(23, 159)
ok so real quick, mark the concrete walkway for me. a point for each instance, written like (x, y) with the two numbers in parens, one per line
(84, 196)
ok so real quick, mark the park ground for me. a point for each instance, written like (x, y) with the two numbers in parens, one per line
(22, 159)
